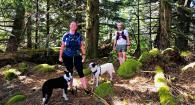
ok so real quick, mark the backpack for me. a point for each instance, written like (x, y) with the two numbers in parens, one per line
(121, 34)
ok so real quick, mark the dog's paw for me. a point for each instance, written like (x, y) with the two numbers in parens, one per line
(66, 98)
(43, 101)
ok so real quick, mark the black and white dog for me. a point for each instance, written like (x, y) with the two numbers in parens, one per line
(60, 82)
(99, 70)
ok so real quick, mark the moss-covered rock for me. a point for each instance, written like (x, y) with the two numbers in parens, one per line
(168, 51)
(129, 68)
(186, 53)
(145, 57)
(104, 89)
(86, 71)
(44, 68)
(23, 67)
(154, 52)
(173, 55)
(166, 98)
(16, 98)
(10, 74)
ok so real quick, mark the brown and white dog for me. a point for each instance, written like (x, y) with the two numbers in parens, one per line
(99, 70)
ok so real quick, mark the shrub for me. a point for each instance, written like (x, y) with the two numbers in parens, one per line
(104, 89)
(15, 99)
(44, 68)
(129, 68)
(112, 55)
(22, 67)
(166, 98)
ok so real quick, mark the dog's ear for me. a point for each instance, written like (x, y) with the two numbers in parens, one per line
(66, 72)
(93, 64)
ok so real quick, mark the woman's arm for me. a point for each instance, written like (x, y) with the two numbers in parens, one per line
(83, 51)
(114, 42)
(128, 39)
(61, 51)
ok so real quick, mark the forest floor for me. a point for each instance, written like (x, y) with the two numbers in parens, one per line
(139, 90)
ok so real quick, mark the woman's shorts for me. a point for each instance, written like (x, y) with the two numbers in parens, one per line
(121, 48)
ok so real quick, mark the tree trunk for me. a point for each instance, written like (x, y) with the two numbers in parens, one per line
(78, 15)
(29, 32)
(138, 49)
(47, 25)
(18, 28)
(92, 28)
(37, 24)
(165, 25)
(181, 41)
(150, 24)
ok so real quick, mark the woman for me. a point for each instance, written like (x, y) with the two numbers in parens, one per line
(74, 53)
(121, 42)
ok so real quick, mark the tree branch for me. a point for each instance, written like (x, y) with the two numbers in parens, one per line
(6, 25)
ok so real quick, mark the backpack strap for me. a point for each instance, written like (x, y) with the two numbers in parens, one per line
(121, 34)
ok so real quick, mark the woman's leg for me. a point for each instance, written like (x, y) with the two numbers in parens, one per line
(68, 62)
(124, 56)
(120, 57)
(79, 67)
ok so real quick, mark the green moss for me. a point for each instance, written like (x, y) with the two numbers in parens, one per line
(23, 67)
(44, 68)
(158, 69)
(10, 74)
(104, 89)
(154, 52)
(2, 48)
(15, 99)
(185, 53)
(145, 57)
(129, 68)
(86, 71)
(166, 98)
(56, 49)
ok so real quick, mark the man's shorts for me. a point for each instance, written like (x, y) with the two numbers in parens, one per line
(121, 48)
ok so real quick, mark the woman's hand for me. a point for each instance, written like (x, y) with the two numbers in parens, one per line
(60, 59)
(83, 58)
(128, 47)
(114, 48)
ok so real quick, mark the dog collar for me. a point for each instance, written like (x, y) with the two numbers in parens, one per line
(96, 72)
